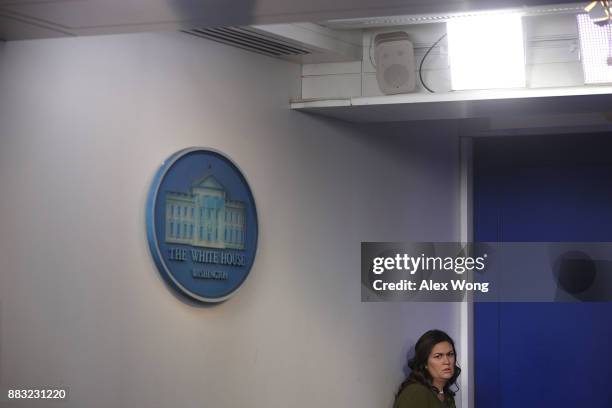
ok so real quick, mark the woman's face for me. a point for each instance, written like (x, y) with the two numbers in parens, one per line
(441, 362)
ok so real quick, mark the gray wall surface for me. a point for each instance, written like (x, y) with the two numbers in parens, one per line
(84, 125)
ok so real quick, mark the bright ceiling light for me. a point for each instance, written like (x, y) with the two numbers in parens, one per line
(595, 50)
(486, 52)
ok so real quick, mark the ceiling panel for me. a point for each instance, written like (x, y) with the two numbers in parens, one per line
(16, 29)
(83, 17)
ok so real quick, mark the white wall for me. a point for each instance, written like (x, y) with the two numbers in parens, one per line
(85, 123)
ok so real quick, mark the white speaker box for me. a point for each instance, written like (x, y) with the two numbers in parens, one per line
(395, 63)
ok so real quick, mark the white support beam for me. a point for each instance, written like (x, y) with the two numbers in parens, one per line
(466, 352)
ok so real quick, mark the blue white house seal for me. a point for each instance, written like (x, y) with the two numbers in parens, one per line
(202, 224)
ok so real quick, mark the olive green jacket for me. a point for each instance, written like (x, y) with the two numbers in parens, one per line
(419, 396)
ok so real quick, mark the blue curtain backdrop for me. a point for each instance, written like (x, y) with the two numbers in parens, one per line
(548, 189)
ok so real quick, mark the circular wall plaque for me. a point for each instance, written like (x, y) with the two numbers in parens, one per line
(202, 224)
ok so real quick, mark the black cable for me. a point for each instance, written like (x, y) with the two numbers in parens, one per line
(423, 60)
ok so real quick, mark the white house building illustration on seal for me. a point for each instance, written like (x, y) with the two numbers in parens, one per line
(205, 217)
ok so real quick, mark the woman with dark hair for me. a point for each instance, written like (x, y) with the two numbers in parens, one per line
(434, 371)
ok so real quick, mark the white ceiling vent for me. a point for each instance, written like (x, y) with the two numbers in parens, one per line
(252, 40)
(303, 43)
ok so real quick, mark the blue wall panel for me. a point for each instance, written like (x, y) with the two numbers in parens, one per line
(553, 188)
